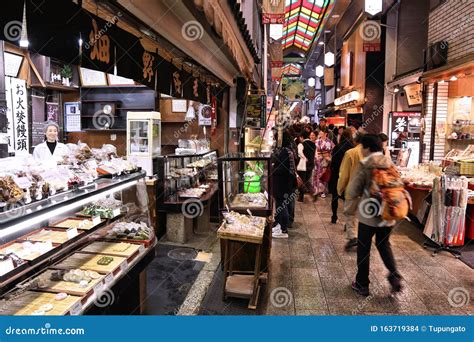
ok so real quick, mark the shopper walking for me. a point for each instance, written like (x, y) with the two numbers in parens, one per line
(371, 223)
(306, 150)
(322, 172)
(349, 165)
(337, 154)
(284, 185)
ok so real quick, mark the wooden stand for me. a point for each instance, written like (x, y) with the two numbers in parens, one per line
(242, 283)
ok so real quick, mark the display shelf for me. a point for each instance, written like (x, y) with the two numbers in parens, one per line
(245, 176)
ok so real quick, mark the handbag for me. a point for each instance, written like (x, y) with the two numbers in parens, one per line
(299, 181)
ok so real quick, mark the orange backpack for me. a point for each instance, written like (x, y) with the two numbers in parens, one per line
(388, 187)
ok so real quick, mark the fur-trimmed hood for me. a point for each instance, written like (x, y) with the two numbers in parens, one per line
(377, 160)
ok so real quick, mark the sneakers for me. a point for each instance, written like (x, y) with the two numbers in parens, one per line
(363, 291)
(351, 243)
(280, 235)
(323, 195)
(334, 221)
(276, 229)
(396, 283)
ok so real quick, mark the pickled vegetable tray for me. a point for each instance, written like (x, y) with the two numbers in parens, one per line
(86, 261)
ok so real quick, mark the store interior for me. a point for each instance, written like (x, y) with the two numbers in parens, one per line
(137, 159)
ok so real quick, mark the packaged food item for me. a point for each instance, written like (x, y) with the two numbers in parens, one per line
(130, 231)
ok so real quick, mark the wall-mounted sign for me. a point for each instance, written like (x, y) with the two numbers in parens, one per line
(20, 116)
(352, 96)
(10, 129)
(12, 64)
(92, 78)
(205, 115)
(414, 95)
(52, 111)
(408, 123)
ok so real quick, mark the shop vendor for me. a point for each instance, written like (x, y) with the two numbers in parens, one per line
(50, 149)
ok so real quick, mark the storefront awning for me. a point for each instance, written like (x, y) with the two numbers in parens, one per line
(461, 67)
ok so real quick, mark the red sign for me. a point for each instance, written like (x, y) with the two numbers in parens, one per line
(268, 18)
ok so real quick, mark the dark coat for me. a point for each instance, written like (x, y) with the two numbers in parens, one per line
(309, 152)
(337, 155)
(283, 179)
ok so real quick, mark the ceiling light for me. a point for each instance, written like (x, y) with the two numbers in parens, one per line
(276, 31)
(441, 82)
(24, 34)
(335, 16)
(373, 6)
(321, 43)
(453, 78)
(329, 59)
(338, 89)
(311, 82)
(319, 71)
(396, 89)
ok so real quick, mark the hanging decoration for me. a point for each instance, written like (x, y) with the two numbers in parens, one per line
(273, 11)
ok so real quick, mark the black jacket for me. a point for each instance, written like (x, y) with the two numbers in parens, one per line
(309, 151)
(283, 179)
(337, 155)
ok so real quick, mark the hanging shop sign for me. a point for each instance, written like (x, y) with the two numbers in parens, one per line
(205, 115)
(20, 116)
(38, 118)
(256, 110)
(414, 94)
(349, 97)
(405, 122)
(276, 54)
(371, 31)
(10, 129)
(273, 12)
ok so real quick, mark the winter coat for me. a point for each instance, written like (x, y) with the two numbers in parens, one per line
(359, 188)
(337, 155)
(283, 173)
(349, 165)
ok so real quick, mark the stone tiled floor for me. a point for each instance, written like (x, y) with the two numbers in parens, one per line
(311, 273)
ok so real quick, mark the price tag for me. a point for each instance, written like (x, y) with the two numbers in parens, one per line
(48, 245)
(96, 220)
(116, 212)
(76, 309)
(109, 278)
(6, 266)
(124, 265)
(22, 182)
(266, 194)
(98, 288)
(72, 233)
(141, 249)
(249, 212)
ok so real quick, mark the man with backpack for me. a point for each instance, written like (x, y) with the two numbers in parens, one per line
(382, 201)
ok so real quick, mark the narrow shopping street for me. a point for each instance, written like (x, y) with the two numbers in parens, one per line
(311, 274)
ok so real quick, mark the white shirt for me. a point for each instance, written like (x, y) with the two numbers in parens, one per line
(43, 153)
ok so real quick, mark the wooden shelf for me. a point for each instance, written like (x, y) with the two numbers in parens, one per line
(96, 101)
(112, 130)
(131, 108)
(56, 87)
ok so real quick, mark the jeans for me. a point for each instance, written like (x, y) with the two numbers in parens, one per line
(307, 186)
(364, 242)
(281, 213)
(291, 208)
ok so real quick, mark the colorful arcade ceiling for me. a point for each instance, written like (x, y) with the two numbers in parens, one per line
(303, 20)
(292, 69)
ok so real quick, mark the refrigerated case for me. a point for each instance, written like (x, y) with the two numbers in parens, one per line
(245, 183)
(178, 173)
(59, 255)
(144, 139)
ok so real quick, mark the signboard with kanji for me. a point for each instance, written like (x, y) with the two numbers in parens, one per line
(20, 116)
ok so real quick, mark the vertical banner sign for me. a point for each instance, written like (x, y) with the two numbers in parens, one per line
(52, 111)
(20, 116)
(273, 12)
(371, 31)
(276, 54)
(38, 115)
(10, 128)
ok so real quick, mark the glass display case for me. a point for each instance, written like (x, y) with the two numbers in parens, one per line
(187, 176)
(60, 253)
(245, 183)
(144, 138)
(258, 140)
